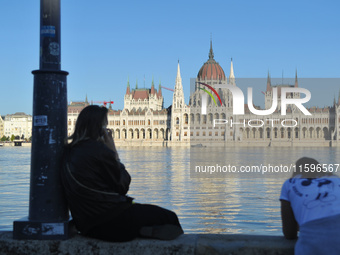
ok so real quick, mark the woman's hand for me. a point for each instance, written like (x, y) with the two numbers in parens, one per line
(108, 140)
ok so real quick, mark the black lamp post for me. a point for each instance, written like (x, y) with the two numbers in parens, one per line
(48, 213)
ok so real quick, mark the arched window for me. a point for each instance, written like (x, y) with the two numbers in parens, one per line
(186, 119)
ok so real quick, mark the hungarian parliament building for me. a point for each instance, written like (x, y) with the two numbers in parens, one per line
(209, 120)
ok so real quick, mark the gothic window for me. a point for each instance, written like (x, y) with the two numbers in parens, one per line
(192, 118)
(282, 133)
(186, 119)
(198, 118)
(261, 132)
(210, 118)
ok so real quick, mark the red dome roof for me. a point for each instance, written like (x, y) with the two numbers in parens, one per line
(211, 70)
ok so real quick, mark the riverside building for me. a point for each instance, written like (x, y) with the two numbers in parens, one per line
(1, 127)
(18, 124)
(145, 122)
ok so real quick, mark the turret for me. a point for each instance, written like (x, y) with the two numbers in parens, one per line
(268, 83)
(128, 88)
(159, 89)
(152, 87)
(231, 76)
(178, 97)
(296, 80)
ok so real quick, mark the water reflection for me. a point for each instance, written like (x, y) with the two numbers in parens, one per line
(14, 184)
(161, 176)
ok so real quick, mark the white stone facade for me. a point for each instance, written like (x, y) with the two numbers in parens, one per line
(144, 121)
(1, 127)
(18, 124)
(180, 128)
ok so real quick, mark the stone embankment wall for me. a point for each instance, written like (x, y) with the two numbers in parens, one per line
(189, 244)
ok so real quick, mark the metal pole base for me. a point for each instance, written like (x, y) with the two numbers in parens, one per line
(24, 229)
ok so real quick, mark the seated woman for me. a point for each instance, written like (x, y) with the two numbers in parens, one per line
(310, 204)
(96, 184)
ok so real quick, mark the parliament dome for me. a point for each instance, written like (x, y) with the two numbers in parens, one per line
(211, 70)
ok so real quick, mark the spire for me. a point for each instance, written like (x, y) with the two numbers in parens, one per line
(86, 101)
(211, 53)
(296, 79)
(268, 83)
(152, 87)
(178, 96)
(159, 89)
(178, 77)
(128, 87)
(232, 76)
(136, 84)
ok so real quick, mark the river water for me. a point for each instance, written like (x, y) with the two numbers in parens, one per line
(205, 204)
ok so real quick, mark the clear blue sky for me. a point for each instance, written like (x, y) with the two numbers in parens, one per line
(105, 42)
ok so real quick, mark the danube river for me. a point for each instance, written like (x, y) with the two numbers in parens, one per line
(205, 203)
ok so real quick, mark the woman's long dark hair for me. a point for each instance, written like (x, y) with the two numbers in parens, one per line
(89, 124)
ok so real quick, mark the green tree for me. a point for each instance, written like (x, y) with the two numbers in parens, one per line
(12, 138)
(4, 138)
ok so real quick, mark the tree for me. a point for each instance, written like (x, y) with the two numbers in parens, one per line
(3, 139)
(12, 138)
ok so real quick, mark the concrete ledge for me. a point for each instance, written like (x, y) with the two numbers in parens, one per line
(199, 244)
